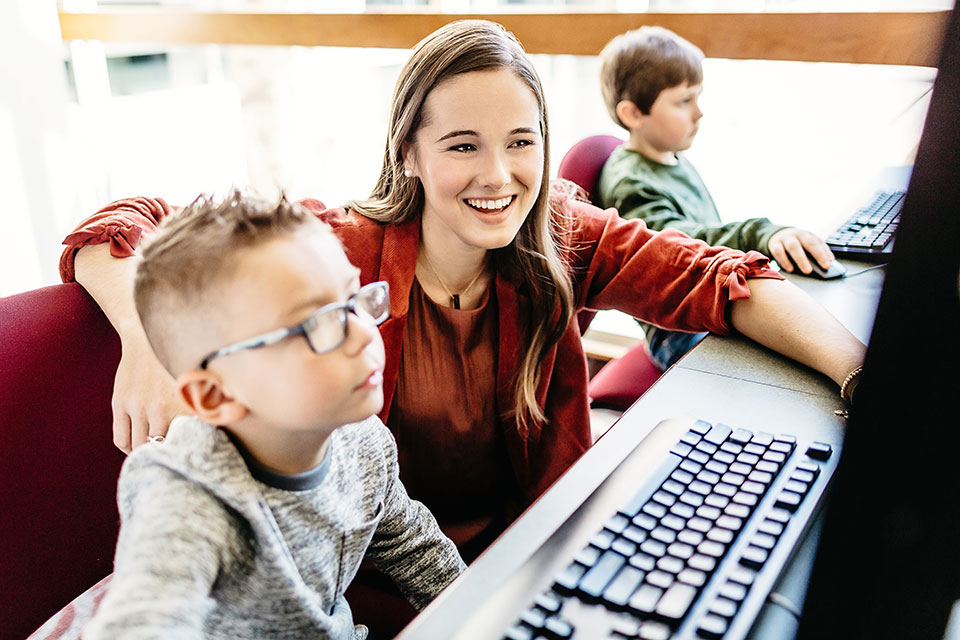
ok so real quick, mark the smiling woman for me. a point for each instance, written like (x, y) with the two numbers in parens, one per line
(485, 376)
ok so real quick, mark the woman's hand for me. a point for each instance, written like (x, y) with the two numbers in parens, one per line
(790, 247)
(145, 396)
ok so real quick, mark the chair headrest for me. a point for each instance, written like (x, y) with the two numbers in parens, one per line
(584, 161)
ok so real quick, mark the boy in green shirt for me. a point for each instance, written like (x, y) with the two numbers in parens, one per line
(651, 79)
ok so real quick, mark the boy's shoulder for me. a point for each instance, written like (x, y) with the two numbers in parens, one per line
(369, 436)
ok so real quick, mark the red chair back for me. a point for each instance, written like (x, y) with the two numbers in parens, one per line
(584, 161)
(58, 475)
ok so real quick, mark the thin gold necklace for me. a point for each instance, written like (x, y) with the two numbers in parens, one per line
(454, 297)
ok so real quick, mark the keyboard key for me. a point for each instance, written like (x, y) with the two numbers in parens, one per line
(789, 500)
(747, 499)
(725, 489)
(810, 467)
(762, 438)
(715, 466)
(559, 629)
(733, 591)
(569, 578)
(782, 447)
(711, 549)
(787, 438)
(741, 435)
(691, 467)
(725, 457)
(617, 523)
(742, 575)
(645, 521)
(643, 561)
(710, 513)
(654, 509)
(737, 510)
(603, 539)
(519, 632)
(702, 563)
(663, 535)
(587, 556)
(750, 459)
(653, 630)
(699, 524)
(701, 487)
(674, 487)
(691, 498)
(754, 449)
(681, 476)
(624, 547)
(700, 457)
(660, 579)
(819, 451)
(533, 618)
(754, 557)
(802, 476)
(680, 550)
(763, 540)
(664, 498)
(692, 577)
(682, 510)
(771, 527)
(707, 447)
(735, 479)
(625, 626)
(669, 564)
(768, 466)
(654, 548)
(730, 522)
(681, 449)
(718, 434)
(620, 589)
(670, 521)
(701, 427)
(724, 608)
(712, 626)
(740, 468)
(716, 500)
(731, 447)
(635, 534)
(797, 487)
(755, 488)
(779, 515)
(762, 477)
(690, 537)
(691, 438)
(676, 601)
(775, 456)
(723, 536)
(549, 602)
(599, 576)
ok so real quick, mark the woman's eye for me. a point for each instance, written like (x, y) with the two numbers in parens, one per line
(523, 143)
(463, 147)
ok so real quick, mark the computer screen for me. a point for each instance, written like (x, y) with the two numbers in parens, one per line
(888, 565)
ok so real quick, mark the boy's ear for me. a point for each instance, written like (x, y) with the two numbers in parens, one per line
(203, 392)
(629, 114)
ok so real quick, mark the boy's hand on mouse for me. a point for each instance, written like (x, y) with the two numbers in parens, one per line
(790, 247)
(145, 397)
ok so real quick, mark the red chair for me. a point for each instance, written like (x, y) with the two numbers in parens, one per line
(621, 381)
(58, 475)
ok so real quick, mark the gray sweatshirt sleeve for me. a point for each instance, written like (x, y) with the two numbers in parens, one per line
(408, 545)
(174, 540)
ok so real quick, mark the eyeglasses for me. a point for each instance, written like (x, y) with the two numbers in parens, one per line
(325, 329)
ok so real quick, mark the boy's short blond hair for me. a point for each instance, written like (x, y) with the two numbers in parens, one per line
(639, 64)
(192, 253)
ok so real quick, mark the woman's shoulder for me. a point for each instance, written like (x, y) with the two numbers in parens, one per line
(572, 206)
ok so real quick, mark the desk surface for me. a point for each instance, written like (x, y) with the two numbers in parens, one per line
(724, 379)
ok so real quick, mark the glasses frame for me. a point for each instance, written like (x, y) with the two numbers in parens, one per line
(278, 335)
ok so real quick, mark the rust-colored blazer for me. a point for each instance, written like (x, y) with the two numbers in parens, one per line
(665, 278)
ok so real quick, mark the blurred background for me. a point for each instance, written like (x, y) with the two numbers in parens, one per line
(86, 122)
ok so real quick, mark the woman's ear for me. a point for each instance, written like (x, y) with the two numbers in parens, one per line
(629, 114)
(203, 392)
(409, 160)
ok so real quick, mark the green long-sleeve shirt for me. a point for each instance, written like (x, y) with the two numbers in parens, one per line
(675, 197)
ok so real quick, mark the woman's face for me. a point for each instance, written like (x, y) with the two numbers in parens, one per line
(479, 156)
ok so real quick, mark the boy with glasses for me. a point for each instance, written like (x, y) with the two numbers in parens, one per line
(251, 517)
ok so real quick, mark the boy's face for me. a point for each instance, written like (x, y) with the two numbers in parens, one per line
(286, 386)
(674, 119)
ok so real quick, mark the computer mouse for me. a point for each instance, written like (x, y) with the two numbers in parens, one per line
(836, 270)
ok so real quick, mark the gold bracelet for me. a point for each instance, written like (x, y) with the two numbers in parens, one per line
(846, 383)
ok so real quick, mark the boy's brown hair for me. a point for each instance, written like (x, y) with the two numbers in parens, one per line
(639, 64)
(191, 253)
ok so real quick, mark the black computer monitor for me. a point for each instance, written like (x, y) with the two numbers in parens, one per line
(888, 565)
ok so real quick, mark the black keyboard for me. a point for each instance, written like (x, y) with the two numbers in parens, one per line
(868, 234)
(696, 551)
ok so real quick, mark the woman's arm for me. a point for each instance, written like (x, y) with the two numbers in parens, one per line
(784, 318)
(145, 397)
